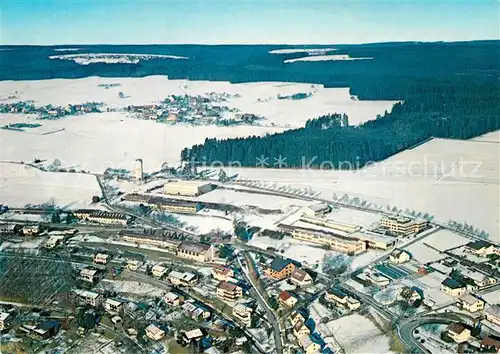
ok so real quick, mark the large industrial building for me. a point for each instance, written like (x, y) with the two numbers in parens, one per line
(187, 188)
(165, 204)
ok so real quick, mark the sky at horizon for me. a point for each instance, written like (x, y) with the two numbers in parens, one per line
(49, 22)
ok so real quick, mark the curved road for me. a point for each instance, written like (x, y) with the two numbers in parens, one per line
(406, 327)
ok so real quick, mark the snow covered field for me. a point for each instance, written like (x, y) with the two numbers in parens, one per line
(309, 254)
(259, 98)
(357, 334)
(94, 142)
(22, 185)
(334, 57)
(413, 180)
(111, 58)
(204, 224)
(310, 51)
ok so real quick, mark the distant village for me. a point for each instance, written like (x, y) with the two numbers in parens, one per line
(196, 110)
(49, 111)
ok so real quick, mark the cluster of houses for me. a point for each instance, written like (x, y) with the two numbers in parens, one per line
(467, 335)
(206, 109)
(303, 332)
(50, 111)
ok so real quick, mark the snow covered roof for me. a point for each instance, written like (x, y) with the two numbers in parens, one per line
(195, 333)
(3, 316)
(493, 310)
(470, 299)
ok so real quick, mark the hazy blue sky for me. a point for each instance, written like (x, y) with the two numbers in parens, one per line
(225, 21)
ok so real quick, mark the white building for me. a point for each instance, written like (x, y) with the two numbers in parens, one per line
(159, 271)
(101, 258)
(90, 297)
(133, 264)
(317, 209)
(183, 279)
(399, 256)
(138, 169)
(187, 188)
(113, 306)
(154, 332)
(89, 275)
(4, 320)
(301, 278)
(243, 314)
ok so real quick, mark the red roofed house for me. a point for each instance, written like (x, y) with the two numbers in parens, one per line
(286, 299)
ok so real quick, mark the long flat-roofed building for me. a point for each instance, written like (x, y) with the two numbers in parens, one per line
(172, 205)
(403, 225)
(196, 251)
(155, 238)
(336, 242)
(187, 188)
(334, 225)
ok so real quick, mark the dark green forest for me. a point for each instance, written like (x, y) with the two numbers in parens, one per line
(448, 90)
(449, 96)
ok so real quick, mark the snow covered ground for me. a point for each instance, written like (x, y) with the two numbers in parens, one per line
(131, 287)
(310, 51)
(334, 57)
(260, 98)
(111, 58)
(204, 224)
(21, 185)
(430, 178)
(445, 239)
(94, 142)
(357, 334)
(492, 297)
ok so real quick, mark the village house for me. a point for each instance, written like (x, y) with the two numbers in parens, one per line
(480, 248)
(493, 314)
(296, 317)
(195, 251)
(458, 332)
(182, 279)
(8, 229)
(280, 268)
(30, 230)
(309, 346)
(101, 258)
(42, 330)
(286, 299)
(113, 306)
(193, 335)
(90, 297)
(300, 329)
(133, 264)
(399, 256)
(410, 295)
(243, 314)
(479, 279)
(222, 273)
(196, 312)
(228, 291)
(301, 278)
(89, 275)
(471, 303)
(159, 270)
(338, 297)
(5, 318)
(452, 287)
(154, 332)
(491, 345)
(173, 299)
